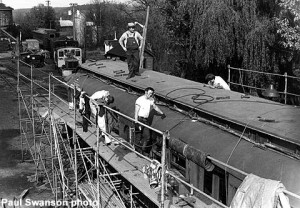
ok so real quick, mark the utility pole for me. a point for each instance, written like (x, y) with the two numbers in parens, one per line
(48, 3)
(144, 39)
(73, 13)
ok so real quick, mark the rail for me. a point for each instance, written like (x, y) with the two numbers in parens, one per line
(285, 76)
(163, 149)
(164, 136)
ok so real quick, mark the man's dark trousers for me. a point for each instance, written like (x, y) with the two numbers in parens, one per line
(133, 61)
(87, 113)
(145, 135)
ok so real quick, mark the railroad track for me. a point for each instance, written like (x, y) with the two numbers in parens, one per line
(39, 75)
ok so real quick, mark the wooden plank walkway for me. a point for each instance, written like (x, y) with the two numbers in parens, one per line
(127, 163)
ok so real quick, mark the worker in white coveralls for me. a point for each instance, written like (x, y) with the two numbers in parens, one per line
(101, 98)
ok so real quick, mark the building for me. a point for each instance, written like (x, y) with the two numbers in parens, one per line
(66, 27)
(85, 30)
(5, 15)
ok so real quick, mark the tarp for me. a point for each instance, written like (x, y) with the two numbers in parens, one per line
(256, 192)
(191, 153)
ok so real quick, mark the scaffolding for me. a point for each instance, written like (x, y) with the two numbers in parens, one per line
(74, 174)
(72, 171)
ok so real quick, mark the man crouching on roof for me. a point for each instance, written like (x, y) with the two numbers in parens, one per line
(99, 99)
(216, 82)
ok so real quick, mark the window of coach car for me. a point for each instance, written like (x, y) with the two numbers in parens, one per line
(60, 53)
(214, 184)
(77, 53)
(178, 162)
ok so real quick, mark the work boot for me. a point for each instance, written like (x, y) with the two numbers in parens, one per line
(130, 76)
(138, 74)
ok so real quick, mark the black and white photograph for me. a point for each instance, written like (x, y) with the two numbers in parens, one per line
(150, 104)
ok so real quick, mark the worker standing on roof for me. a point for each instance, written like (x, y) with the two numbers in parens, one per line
(131, 42)
(216, 82)
(142, 111)
(99, 99)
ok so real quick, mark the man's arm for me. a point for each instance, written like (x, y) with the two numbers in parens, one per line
(136, 112)
(136, 23)
(121, 41)
(155, 107)
(138, 36)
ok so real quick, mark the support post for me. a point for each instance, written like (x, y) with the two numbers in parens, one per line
(50, 135)
(228, 66)
(33, 122)
(285, 87)
(132, 136)
(74, 144)
(131, 197)
(17, 52)
(163, 168)
(97, 161)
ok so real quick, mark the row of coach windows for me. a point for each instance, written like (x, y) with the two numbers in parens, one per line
(72, 52)
(212, 183)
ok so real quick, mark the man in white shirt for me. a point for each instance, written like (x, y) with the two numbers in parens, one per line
(143, 106)
(216, 82)
(101, 98)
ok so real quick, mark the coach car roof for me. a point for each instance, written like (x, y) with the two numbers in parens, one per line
(216, 142)
(245, 112)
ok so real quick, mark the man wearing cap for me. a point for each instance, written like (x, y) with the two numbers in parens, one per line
(131, 41)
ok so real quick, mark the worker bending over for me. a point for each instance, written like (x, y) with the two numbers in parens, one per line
(216, 82)
(101, 98)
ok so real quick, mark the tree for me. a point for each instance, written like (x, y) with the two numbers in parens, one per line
(288, 23)
(207, 35)
(38, 17)
(109, 19)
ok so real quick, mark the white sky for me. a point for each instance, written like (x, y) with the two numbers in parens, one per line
(20, 4)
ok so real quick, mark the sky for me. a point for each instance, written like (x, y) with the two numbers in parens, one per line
(20, 4)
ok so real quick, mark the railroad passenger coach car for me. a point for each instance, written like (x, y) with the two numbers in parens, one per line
(253, 135)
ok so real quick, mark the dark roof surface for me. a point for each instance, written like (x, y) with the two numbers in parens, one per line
(218, 143)
(4, 7)
(117, 50)
(235, 110)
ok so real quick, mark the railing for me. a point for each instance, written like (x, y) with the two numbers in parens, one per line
(284, 76)
(165, 136)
